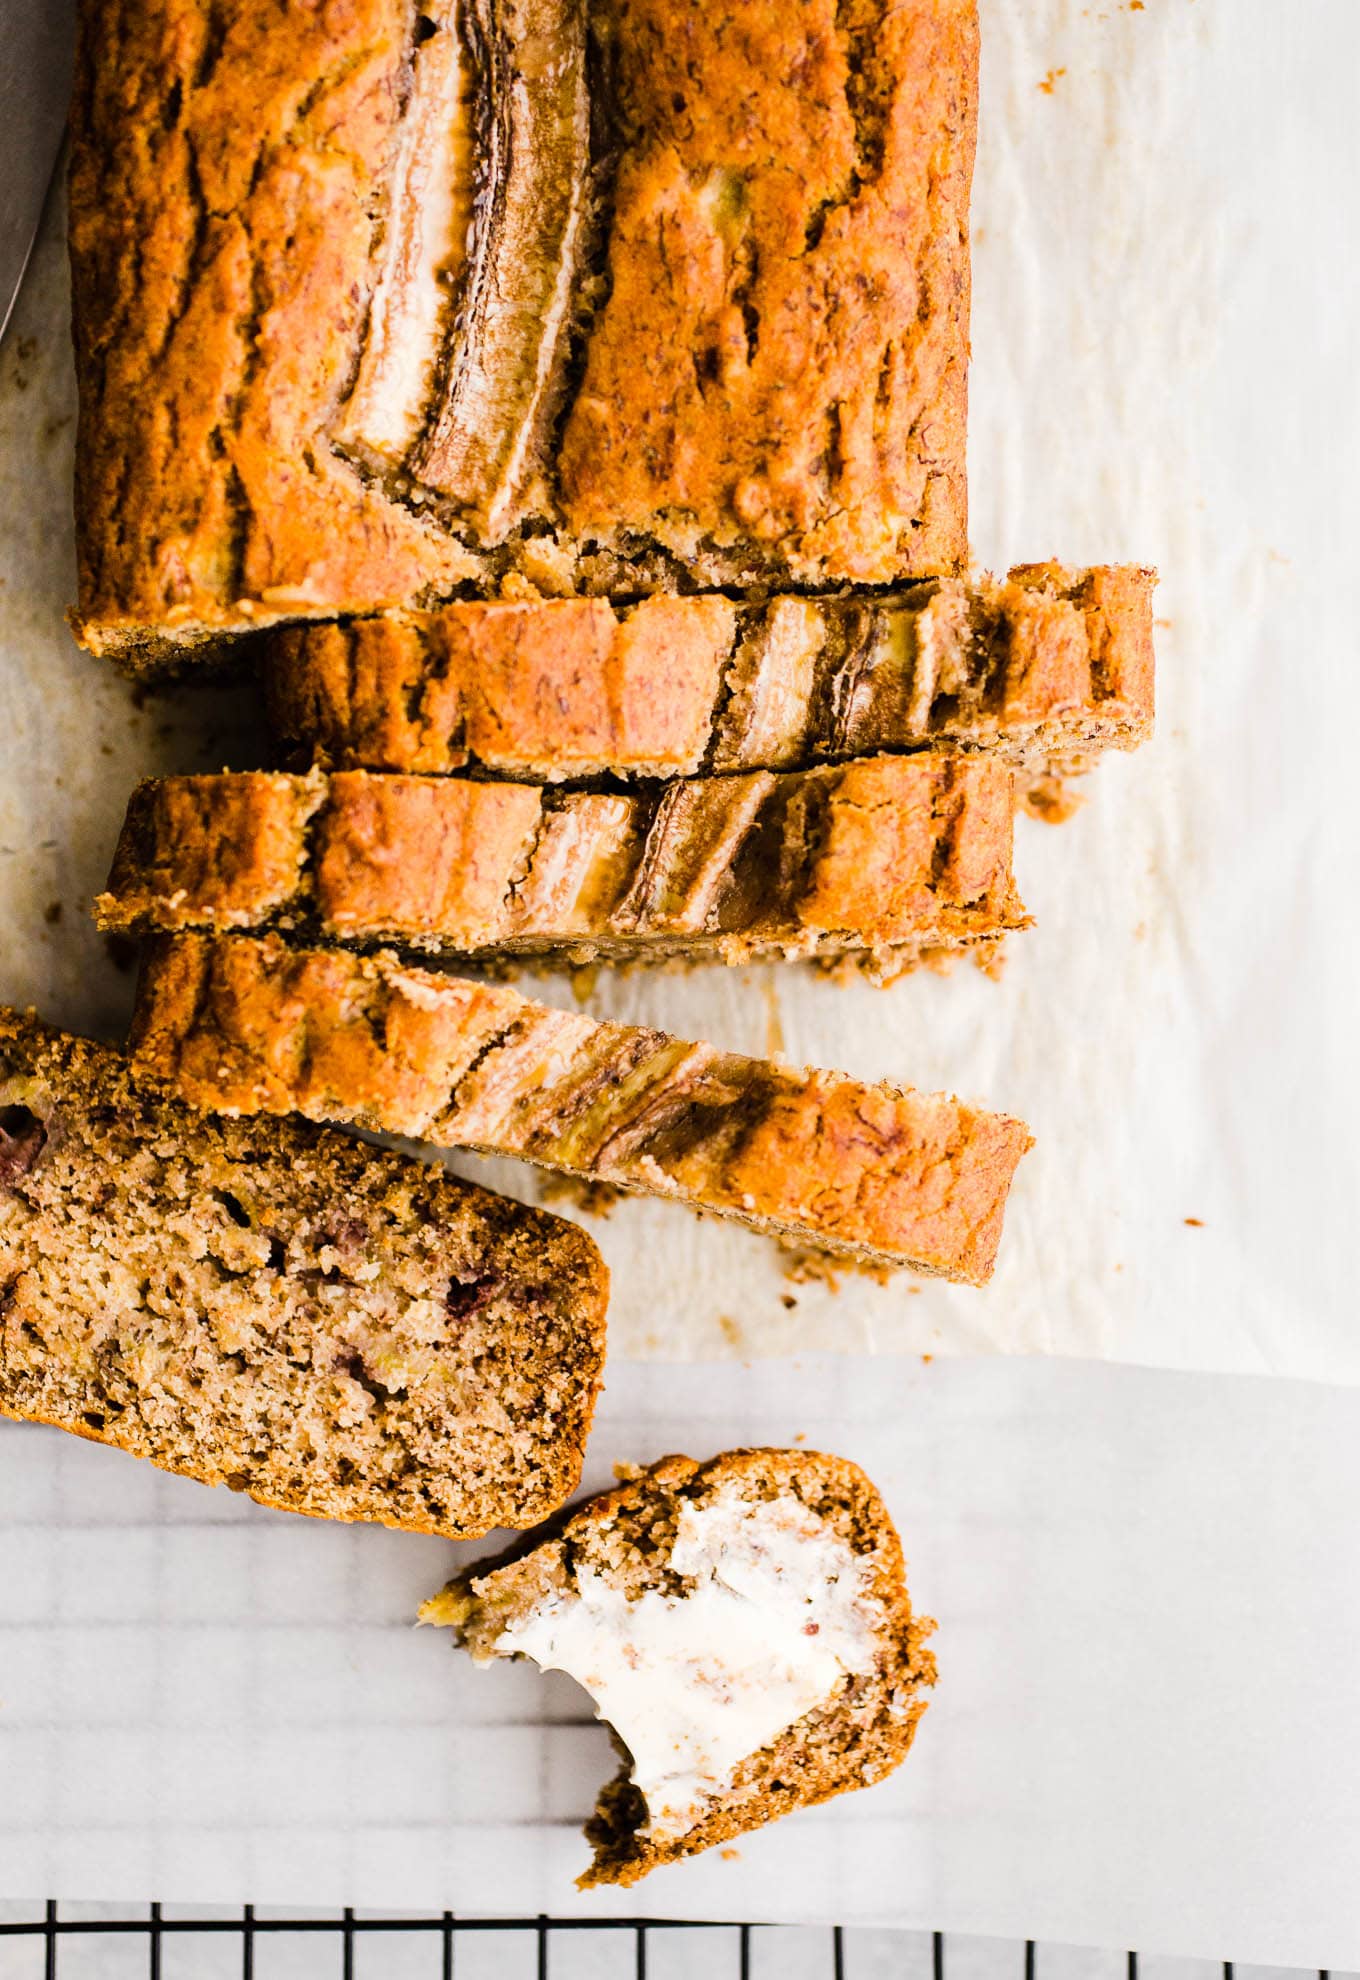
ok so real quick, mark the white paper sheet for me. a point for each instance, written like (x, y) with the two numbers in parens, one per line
(1148, 1585)
(1148, 1591)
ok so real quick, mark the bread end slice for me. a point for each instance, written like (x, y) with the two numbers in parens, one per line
(743, 1625)
(330, 1328)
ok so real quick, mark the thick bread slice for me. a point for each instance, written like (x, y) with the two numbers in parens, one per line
(745, 1623)
(276, 1307)
(245, 1025)
(529, 295)
(884, 858)
(1047, 665)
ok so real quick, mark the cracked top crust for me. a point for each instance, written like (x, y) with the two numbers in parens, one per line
(681, 303)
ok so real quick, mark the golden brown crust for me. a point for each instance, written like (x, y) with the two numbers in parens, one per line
(333, 1329)
(1047, 664)
(221, 174)
(244, 1025)
(780, 370)
(552, 688)
(786, 405)
(857, 1738)
(889, 859)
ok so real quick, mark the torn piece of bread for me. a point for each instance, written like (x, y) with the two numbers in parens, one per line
(329, 1327)
(521, 294)
(246, 1025)
(744, 1629)
(884, 859)
(1047, 665)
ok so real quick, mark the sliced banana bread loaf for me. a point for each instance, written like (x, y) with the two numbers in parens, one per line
(1048, 664)
(743, 1627)
(247, 1025)
(276, 1307)
(884, 858)
(639, 296)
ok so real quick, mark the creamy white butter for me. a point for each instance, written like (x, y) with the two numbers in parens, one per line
(693, 1684)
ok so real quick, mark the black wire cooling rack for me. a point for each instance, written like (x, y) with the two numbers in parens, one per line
(443, 1929)
(733, 1947)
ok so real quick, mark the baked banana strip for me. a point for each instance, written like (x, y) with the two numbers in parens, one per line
(1046, 664)
(245, 1025)
(887, 859)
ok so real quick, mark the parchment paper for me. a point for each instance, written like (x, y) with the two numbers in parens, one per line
(1144, 1733)
(1148, 1584)
(1165, 328)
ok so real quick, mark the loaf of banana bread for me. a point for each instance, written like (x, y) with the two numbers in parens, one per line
(276, 1307)
(246, 1025)
(885, 859)
(745, 1630)
(375, 301)
(1043, 667)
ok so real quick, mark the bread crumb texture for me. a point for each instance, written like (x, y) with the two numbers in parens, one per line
(282, 1309)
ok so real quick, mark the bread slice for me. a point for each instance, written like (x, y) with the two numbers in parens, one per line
(247, 1025)
(743, 1625)
(518, 295)
(1047, 665)
(275, 1307)
(886, 858)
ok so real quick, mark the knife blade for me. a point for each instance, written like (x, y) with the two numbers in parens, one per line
(37, 38)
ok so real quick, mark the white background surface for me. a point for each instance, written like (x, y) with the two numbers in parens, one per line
(1148, 1590)
(1147, 1585)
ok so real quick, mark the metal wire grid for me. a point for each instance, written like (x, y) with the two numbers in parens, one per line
(51, 1929)
(446, 1932)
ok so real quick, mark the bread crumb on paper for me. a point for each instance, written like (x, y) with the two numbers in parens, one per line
(1051, 800)
(806, 1265)
(594, 1199)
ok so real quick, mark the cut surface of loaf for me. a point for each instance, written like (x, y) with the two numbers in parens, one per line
(744, 1628)
(1047, 664)
(886, 858)
(246, 1025)
(331, 1328)
(513, 294)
